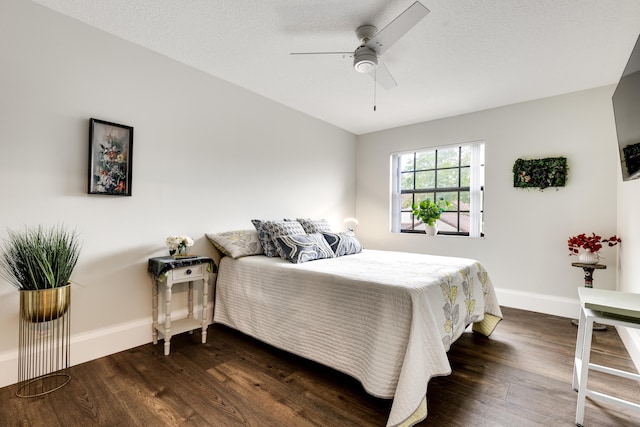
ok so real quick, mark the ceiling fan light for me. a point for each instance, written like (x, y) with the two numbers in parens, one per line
(365, 59)
(364, 66)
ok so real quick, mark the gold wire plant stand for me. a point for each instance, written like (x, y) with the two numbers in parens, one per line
(44, 341)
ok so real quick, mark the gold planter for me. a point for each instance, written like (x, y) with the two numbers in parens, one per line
(44, 341)
(45, 304)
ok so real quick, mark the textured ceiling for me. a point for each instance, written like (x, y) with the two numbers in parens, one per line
(464, 56)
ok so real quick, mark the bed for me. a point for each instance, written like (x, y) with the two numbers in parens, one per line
(384, 318)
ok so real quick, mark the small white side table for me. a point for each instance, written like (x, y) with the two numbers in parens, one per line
(610, 308)
(168, 271)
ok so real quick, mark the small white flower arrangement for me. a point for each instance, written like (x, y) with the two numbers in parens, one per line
(178, 244)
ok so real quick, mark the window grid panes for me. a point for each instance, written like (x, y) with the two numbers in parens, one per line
(438, 174)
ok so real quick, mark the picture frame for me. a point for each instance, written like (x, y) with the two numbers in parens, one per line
(110, 158)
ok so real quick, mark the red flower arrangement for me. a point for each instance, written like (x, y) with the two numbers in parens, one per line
(591, 243)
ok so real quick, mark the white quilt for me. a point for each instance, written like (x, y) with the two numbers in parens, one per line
(384, 318)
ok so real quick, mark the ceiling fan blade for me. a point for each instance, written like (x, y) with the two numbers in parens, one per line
(322, 53)
(397, 28)
(383, 76)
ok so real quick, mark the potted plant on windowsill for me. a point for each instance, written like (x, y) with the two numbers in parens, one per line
(428, 212)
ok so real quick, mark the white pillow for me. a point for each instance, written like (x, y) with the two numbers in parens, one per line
(237, 243)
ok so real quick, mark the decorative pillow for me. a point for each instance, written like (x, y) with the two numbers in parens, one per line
(237, 243)
(282, 228)
(304, 247)
(264, 238)
(343, 243)
(269, 230)
(315, 225)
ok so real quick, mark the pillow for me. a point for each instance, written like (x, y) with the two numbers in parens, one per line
(343, 243)
(304, 247)
(237, 243)
(264, 238)
(282, 228)
(315, 226)
(268, 231)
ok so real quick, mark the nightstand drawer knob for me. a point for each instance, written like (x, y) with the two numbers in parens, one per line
(188, 271)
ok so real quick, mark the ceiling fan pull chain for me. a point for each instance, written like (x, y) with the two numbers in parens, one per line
(375, 83)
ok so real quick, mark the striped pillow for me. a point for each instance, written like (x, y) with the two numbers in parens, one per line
(268, 231)
(315, 225)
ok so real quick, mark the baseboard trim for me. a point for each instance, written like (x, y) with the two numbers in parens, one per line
(92, 345)
(547, 304)
(8, 368)
(88, 346)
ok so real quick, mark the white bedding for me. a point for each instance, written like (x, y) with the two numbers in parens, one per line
(384, 318)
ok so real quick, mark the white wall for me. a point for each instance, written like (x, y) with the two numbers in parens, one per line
(526, 231)
(208, 156)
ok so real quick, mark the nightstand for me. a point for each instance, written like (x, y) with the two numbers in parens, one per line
(167, 271)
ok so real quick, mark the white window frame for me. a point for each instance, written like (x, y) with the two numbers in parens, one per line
(476, 189)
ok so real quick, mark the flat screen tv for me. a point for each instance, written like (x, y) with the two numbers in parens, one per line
(626, 108)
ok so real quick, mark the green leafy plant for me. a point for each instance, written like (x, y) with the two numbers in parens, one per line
(429, 211)
(540, 173)
(39, 258)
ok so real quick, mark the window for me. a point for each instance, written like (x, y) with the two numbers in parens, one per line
(452, 173)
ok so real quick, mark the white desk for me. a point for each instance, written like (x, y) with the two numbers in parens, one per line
(610, 308)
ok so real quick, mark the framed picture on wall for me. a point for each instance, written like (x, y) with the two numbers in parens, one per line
(110, 158)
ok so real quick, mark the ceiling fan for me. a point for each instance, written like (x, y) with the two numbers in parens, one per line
(367, 56)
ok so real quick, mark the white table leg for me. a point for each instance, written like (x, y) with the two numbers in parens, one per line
(586, 322)
(190, 315)
(205, 297)
(190, 304)
(579, 346)
(167, 318)
(154, 310)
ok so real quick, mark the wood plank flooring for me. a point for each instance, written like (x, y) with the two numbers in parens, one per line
(520, 376)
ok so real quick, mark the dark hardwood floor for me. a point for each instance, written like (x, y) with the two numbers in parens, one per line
(520, 376)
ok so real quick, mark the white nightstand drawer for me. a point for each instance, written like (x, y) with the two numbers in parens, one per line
(193, 272)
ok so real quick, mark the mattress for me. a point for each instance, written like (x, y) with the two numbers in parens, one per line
(384, 318)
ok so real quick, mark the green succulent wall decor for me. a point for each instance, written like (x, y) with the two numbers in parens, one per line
(540, 173)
